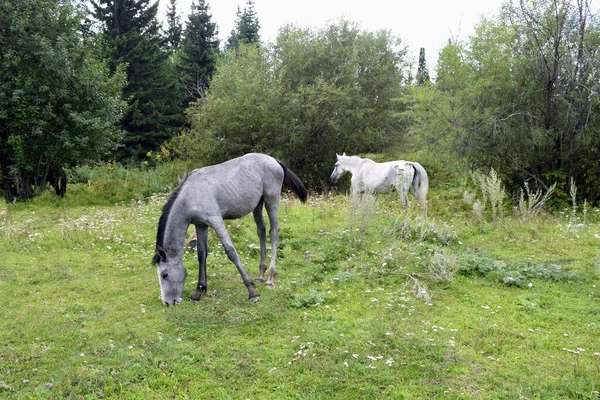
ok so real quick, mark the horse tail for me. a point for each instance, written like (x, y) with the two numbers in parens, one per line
(292, 182)
(420, 184)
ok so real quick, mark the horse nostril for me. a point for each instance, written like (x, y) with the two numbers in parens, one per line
(164, 275)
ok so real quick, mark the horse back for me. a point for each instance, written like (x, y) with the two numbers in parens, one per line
(234, 188)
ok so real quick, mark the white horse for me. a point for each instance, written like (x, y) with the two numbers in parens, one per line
(370, 176)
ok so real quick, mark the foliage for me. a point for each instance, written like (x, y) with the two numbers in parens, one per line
(59, 104)
(312, 94)
(492, 191)
(237, 115)
(361, 210)
(174, 31)
(520, 95)
(411, 227)
(246, 30)
(111, 183)
(422, 71)
(199, 51)
(518, 274)
(531, 203)
(132, 38)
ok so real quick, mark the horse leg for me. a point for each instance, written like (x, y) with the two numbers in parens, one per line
(262, 237)
(272, 211)
(219, 227)
(202, 246)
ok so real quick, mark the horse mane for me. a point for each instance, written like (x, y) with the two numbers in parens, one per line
(164, 217)
(353, 160)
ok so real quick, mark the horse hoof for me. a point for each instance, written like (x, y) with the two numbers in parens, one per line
(195, 297)
(260, 280)
(270, 285)
(254, 299)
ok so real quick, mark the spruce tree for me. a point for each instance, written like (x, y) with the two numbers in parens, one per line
(422, 71)
(199, 52)
(174, 28)
(132, 35)
(246, 27)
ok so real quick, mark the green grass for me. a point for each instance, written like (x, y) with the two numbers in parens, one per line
(81, 316)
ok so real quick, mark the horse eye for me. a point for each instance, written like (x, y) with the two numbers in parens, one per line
(164, 275)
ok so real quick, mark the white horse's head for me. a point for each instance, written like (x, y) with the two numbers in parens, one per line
(339, 168)
(171, 276)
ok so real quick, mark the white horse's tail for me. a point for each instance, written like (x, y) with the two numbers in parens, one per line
(420, 184)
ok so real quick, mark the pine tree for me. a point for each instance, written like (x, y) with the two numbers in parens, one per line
(422, 71)
(246, 27)
(132, 35)
(199, 52)
(174, 28)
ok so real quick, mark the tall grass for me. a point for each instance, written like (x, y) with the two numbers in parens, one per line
(110, 183)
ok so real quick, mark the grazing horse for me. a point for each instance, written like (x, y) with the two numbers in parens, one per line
(370, 176)
(207, 196)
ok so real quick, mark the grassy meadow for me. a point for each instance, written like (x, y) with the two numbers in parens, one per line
(371, 301)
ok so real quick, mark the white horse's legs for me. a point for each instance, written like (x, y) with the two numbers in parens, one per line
(402, 184)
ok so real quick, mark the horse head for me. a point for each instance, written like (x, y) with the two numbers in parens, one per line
(171, 275)
(338, 168)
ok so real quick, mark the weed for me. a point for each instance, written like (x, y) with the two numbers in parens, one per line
(492, 191)
(440, 265)
(313, 298)
(512, 274)
(531, 203)
(362, 207)
(419, 289)
(411, 227)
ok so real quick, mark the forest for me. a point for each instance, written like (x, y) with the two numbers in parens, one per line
(85, 83)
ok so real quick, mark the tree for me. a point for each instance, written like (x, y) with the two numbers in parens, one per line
(131, 33)
(246, 29)
(174, 28)
(60, 105)
(521, 95)
(422, 71)
(314, 93)
(199, 52)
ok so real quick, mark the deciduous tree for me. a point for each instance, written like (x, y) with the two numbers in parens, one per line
(59, 104)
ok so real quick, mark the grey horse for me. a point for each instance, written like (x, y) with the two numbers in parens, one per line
(207, 196)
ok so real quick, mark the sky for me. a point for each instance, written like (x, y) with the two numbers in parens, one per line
(419, 23)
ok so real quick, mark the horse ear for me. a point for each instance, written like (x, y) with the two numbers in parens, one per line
(344, 154)
(160, 255)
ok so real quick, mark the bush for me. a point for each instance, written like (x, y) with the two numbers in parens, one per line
(516, 274)
(111, 183)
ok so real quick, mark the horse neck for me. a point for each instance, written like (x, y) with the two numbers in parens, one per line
(176, 230)
(352, 164)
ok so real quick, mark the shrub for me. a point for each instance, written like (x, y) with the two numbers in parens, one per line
(440, 265)
(419, 228)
